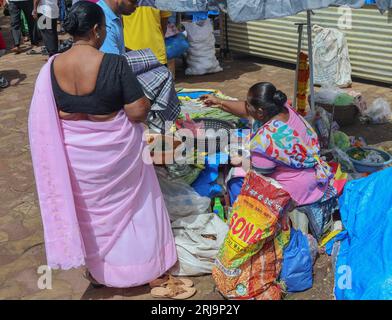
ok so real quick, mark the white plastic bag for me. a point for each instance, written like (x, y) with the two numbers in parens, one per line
(181, 200)
(201, 56)
(332, 64)
(327, 94)
(379, 111)
(198, 239)
(299, 221)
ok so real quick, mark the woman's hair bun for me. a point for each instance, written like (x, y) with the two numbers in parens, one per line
(279, 98)
(71, 23)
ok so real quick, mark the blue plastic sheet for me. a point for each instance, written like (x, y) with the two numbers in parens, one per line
(297, 268)
(194, 94)
(364, 262)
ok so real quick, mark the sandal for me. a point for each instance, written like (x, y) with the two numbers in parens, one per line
(44, 51)
(33, 52)
(168, 279)
(94, 283)
(173, 291)
(3, 82)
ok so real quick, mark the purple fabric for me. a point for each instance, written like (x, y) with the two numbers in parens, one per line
(63, 241)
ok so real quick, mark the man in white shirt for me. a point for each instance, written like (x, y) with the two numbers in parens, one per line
(46, 12)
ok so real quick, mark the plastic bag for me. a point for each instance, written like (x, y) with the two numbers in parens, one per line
(176, 46)
(344, 160)
(181, 200)
(327, 94)
(198, 239)
(297, 269)
(183, 173)
(201, 56)
(331, 58)
(343, 99)
(299, 221)
(379, 111)
(340, 140)
(313, 245)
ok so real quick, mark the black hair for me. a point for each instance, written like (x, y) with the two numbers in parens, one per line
(83, 16)
(265, 96)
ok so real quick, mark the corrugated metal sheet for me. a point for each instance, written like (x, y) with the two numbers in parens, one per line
(369, 40)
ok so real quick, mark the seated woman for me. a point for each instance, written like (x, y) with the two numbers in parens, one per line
(100, 199)
(285, 147)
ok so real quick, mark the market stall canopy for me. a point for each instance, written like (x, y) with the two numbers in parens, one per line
(248, 10)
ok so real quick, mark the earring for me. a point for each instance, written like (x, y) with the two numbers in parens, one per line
(98, 36)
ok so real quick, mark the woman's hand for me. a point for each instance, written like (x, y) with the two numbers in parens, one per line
(211, 101)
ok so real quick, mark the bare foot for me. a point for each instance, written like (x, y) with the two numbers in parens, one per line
(16, 50)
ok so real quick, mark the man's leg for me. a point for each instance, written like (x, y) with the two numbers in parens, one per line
(50, 36)
(15, 25)
(27, 7)
(25, 26)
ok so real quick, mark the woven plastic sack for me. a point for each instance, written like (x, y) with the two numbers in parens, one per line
(249, 260)
(201, 56)
(332, 64)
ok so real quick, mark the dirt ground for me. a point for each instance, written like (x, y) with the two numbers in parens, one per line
(21, 235)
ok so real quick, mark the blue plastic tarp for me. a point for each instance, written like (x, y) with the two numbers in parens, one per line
(364, 263)
(248, 10)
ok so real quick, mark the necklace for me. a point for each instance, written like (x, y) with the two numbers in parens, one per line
(83, 44)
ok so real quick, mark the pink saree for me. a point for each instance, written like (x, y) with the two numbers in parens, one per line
(101, 204)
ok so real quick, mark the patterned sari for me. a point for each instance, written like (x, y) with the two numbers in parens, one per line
(280, 143)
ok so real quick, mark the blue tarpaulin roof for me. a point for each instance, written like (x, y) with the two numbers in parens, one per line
(248, 10)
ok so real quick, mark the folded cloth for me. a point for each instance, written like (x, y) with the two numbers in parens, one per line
(157, 83)
(142, 61)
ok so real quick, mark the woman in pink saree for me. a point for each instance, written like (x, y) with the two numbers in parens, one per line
(100, 201)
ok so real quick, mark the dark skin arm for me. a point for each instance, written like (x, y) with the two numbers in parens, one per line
(34, 13)
(138, 111)
(237, 108)
(164, 22)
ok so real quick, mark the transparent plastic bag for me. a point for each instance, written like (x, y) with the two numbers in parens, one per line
(327, 94)
(181, 199)
(379, 111)
(299, 221)
(342, 157)
(313, 246)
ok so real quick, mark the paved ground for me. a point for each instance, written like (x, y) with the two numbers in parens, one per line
(21, 237)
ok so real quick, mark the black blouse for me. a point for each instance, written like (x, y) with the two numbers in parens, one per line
(116, 86)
